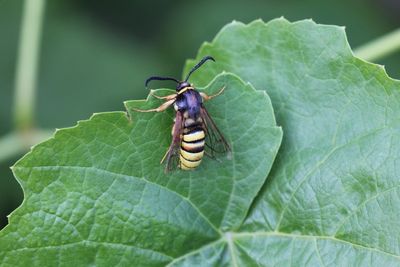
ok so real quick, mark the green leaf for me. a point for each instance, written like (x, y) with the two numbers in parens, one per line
(333, 195)
(95, 194)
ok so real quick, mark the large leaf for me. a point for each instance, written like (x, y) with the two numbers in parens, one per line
(95, 194)
(333, 195)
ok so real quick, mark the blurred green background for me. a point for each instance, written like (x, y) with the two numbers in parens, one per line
(94, 55)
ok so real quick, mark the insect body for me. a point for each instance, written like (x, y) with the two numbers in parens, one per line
(193, 135)
(193, 130)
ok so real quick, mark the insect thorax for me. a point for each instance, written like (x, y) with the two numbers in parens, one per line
(189, 103)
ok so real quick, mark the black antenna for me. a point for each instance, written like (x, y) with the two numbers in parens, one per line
(199, 65)
(160, 79)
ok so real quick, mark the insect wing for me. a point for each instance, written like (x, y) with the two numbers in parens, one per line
(172, 155)
(215, 141)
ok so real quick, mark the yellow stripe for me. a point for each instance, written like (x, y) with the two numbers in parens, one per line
(184, 90)
(193, 136)
(188, 164)
(189, 146)
(192, 156)
(183, 167)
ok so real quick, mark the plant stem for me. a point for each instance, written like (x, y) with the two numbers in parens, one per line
(27, 64)
(379, 47)
(25, 135)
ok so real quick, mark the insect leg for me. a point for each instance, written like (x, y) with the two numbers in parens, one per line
(207, 97)
(167, 97)
(165, 155)
(159, 109)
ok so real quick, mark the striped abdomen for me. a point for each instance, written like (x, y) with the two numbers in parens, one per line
(192, 145)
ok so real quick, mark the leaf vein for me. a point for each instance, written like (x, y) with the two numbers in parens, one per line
(342, 222)
(320, 163)
(130, 176)
(330, 238)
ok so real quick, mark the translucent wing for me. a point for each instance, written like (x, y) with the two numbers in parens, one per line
(215, 141)
(172, 155)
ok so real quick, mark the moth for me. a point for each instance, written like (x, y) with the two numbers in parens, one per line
(194, 132)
